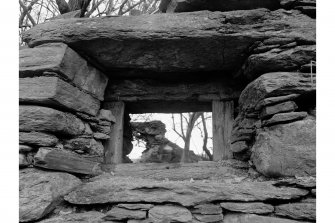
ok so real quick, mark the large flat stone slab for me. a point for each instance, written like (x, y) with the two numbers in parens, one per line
(196, 41)
(134, 190)
(61, 59)
(41, 191)
(170, 6)
(299, 211)
(36, 118)
(37, 139)
(54, 92)
(90, 217)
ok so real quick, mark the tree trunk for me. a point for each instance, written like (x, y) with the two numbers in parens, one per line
(193, 118)
(63, 7)
(204, 146)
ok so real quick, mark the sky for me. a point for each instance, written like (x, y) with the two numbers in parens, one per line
(196, 139)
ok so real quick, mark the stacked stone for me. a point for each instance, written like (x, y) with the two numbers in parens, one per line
(61, 124)
(158, 148)
(122, 199)
(275, 127)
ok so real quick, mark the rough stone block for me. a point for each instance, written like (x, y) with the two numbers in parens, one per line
(84, 145)
(25, 149)
(286, 150)
(54, 92)
(40, 192)
(282, 118)
(61, 59)
(299, 211)
(56, 159)
(170, 213)
(118, 214)
(268, 111)
(37, 139)
(252, 207)
(36, 118)
(252, 218)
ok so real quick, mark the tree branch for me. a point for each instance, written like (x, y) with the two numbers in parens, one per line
(25, 10)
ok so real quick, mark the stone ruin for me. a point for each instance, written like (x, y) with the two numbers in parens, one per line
(251, 63)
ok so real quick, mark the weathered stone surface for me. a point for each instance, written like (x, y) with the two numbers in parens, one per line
(186, 193)
(23, 162)
(274, 84)
(117, 213)
(190, 90)
(275, 100)
(202, 41)
(85, 217)
(207, 209)
(203, 170)
(209, 218)
(37, 139)
(170, 6)
(41, 191)
(54, 92)
(36, 118)
(268, 111)
(299, 211)
(170, 213)
(252, 207)
(286, 150)
(282, 118)
(136, 206)
(105, 129)
(84, 145)
(278, 60)
(25, 148)
(313, 191)
(252, 218)
(100, 136)
(239, 146)
(301, 182)
(106, 115)
(61, 59)
(56, 159)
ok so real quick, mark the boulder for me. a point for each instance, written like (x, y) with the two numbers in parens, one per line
(89, 216)
(170, 6)
(37, 139)
(286, 150)
(299, 211)
(58, 58)
(202, 41)
(118, 214)
(36, 118)
(170, 213)
(283, 118)
(57, 159)
(252, 218)
(252, 207)
(239, 146)
(283, 107)
(54, 92)
(40, 192)
(135, 190)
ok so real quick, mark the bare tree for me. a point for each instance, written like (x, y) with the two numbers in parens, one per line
(187, 124)
(205, 137)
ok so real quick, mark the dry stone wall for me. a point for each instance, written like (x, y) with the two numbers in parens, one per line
(61, 124)
(266, 49)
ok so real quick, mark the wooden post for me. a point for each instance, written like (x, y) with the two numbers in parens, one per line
(114, 145)
(223, 117)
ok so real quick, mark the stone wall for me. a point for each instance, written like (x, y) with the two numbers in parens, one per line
(61, 124)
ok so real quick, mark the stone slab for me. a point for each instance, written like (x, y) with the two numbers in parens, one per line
(135, 190)
(252, 207)
(202, 41)
(37, 139)
(54, 92)
(60, 59)
(36, 118)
